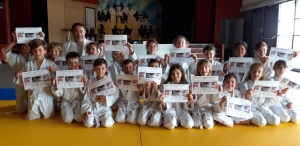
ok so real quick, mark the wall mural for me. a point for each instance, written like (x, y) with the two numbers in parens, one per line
(138, 19)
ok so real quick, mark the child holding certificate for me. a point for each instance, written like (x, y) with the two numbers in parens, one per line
(174, 112)
(92, 49)
(71, 97)
(98, 109)
(151, 113)
(220, 107)
(40, 100)
(239, 50)
(129, 101)
(284, 106)
(262, 115)
(188, 68)
(115, 67)
(203, 108)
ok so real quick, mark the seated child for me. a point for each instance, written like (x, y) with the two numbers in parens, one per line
(55, 50)
(98, 110)
(129, 101)
(151, 113)
(40, 100)
(72, 97)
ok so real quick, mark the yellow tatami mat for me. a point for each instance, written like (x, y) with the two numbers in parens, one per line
(15, 130)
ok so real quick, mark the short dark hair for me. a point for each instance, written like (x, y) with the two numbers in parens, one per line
(280, 63)
(240, 43)
(229, 75)
(209, 47)
(183, 37)
(36, 43)
(153, 61)
(73, 55)
(127, 61)
(99, 61)
(259, 44)
(78, 24)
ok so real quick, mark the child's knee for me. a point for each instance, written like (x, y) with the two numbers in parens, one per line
(273, 120)
(258, 121)
(108, 123)
(88, 123)
(285, 118)
(187, 123)
(170, 121)
(208, 124)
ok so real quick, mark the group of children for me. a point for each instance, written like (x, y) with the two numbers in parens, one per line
(201, 110)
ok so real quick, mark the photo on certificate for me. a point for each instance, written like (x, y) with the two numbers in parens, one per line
(146, 58)
(26, 34)
(180, 55)
(146, 74)
(115, 42)
(176, 92)
(101, 87)
(217, 70)
(87, 61)
(239, 65)
(36, 79)
(204, 84)
(127, 82)
(281, 54)
(265, 89)
(61, 63)
(69, 78)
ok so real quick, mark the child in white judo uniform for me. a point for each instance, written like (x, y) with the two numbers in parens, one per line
(17, 62)
(283, 106)
(202, 112)
(262, 115)
(189, 68)
(54, 50)
(174, 112)
(92, 49)
(40, 100)
(209, 52)
(97, 111)
(229, 91)
(151, 113)
(71, 97)
(129, 101)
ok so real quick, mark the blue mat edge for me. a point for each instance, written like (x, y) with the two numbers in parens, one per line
(7, 94)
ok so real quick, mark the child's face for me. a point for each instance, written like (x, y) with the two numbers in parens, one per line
(117, 55)
(151, 48)
(261, 52)
(73, 63)
(230, 84)
(39, 53)
(25, 49)
(127, 68)
(209, 55)
(240, 51)
(91, 49)
(154, 65)
(279, 70)
(204, 70)
(180, 43)
(176, 76)
(100, 70)
(256, 73)
(54, 52)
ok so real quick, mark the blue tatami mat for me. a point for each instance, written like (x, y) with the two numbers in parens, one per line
(7, 94)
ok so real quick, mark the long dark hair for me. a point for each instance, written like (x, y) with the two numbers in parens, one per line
(173, 67)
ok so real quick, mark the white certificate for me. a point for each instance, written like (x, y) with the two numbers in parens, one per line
(115, 42)
(281, 54)
(102, 87)
(217, 70)
(146, 58)
(204, 84)
(87, 61)
(265, 89)
(26, 34)
(176, 92)
(290, 82)
(127, 82)
(149, 74)
(180, 55)
(239, 108)
(36, 79)
(69, 78)
(239, 65)
(61, 63)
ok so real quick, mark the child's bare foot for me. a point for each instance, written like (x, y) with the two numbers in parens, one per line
(246, 122)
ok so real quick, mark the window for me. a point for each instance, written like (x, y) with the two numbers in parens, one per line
(288, 34)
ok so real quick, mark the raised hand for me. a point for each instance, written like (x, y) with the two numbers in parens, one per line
(101, 98)
(223, 100)
(248, 94)
(18, 74)
(86, 115)
(51, 68)
(194, 57)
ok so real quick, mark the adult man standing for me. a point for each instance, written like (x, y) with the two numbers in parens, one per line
(79, 42)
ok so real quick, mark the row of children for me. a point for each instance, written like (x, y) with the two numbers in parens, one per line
(78, 104)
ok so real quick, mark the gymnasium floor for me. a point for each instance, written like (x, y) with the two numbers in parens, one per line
(15, 130)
